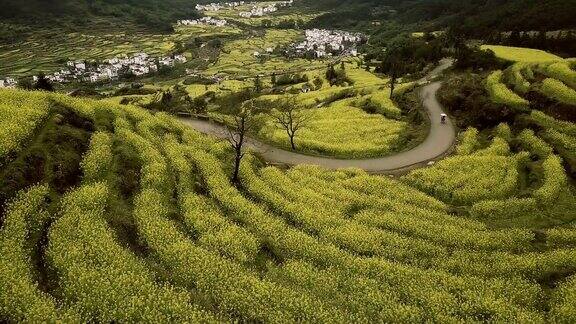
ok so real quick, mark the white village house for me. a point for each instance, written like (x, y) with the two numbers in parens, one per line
(8, 83)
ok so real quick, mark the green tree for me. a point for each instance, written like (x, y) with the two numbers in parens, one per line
(318, 82)
(257, 84)
(43, 83)
(394, 63)
(331, 73)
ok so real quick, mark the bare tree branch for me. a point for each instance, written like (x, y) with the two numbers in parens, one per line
(291, 118)
(237, 134)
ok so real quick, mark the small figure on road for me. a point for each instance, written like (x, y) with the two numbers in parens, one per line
(443, 118)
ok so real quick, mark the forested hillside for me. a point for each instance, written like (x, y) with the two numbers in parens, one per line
(47, 13)
(476, 15)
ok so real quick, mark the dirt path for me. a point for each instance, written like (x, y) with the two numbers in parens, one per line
(439, 141)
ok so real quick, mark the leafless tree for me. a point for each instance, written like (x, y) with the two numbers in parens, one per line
(292, 119)
(241, 123)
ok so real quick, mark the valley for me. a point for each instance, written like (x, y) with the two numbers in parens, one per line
(287, 162)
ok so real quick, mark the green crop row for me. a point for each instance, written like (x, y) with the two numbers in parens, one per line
(558, 91)
(503, 131)
(548, 122)
(534, 144)
(214, 232)
(232, 289)
(468, 142)
(561, 71)
(498, 147)
(514, 76)
(468, 179)
(97, 162)
(563, 306)
(21, 300)
(21, 113)
(499, 93)
(291, 243)
(503, 209)
(361, 194)
(102, 280)
(554, 180)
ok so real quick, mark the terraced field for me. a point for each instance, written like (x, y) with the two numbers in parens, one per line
(342, 130)
(521, 54)
(552, 79)
(150, 228)
(532, 86)
(354, 121)
(238, 59)
(274, 19)
(48, 51)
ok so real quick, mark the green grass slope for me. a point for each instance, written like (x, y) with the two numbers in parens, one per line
(149, 227)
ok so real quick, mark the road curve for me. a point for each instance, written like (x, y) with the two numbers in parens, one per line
(440, 139)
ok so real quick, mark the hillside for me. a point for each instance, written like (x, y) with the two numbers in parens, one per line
(243, 168)
(38, 15)
(474, 16)
(142, 223)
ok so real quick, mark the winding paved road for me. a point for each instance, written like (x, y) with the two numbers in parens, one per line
(438, 143)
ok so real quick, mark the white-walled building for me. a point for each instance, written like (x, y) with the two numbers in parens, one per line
(8, 83)
(180, 59)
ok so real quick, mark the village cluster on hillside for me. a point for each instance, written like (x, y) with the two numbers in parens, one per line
(208, 21)
(259, 11)
(82, 71)
(217, 6)
(139, 64)
(321, 43)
